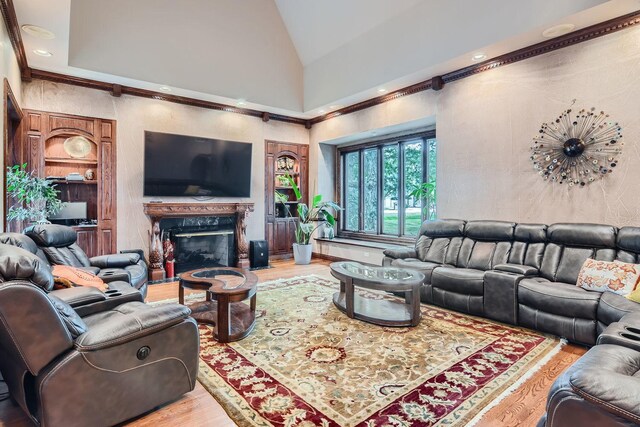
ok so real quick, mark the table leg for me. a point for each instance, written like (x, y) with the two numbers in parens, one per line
(252, 303)
(341, 287)
(415, 307)
(181, 293)
(408, 297)
(224, 321)
(349, 297)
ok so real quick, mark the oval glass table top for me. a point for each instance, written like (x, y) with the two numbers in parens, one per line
(383, 276)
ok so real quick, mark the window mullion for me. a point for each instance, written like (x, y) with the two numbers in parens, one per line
(401, 189)
(425, 173)
(361, 191)
(380, 190)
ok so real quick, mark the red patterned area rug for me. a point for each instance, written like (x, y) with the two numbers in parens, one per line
(308, 364)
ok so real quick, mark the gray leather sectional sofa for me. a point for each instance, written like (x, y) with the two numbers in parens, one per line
(522, 274)
(525, 274)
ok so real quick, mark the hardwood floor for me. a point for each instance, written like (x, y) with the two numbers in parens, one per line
(524, 407)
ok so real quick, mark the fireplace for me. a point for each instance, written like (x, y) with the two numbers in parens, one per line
(200, 242)
(202, 234)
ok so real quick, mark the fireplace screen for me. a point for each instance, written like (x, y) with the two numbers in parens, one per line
(202, 248)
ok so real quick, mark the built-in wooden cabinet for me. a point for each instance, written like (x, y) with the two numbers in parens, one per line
(44, 138)
(281, 159)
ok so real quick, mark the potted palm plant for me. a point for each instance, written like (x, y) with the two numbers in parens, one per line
(34, 199)
(309, 219)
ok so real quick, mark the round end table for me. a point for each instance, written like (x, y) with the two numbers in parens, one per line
(223, 308)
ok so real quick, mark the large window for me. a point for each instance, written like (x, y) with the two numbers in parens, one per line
(388, 187)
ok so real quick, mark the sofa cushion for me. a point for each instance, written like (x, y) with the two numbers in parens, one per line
(466, 281)
(531, 233)
(629, 239)
(20, 264)
(66, 277)
(442, 228)
(585, 235)
(425, 268)
(559, 298)
(608, 276)
(51, 235)
(492, 231)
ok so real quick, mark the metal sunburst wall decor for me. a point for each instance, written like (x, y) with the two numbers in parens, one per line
(577, 148)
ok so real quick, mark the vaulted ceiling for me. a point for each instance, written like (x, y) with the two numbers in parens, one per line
(298, 57)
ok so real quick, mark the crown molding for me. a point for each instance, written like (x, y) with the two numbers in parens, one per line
(435, 83)
(588, 33)
(13, 29)
(119, 90)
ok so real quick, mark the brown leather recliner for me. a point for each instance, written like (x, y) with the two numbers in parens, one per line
(97, 370)
(58, 244)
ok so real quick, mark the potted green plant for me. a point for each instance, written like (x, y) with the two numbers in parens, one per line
(309, 219)
(34, 199)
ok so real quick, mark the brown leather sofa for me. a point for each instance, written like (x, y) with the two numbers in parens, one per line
(57, 244)
(108, 358)
(522, 274)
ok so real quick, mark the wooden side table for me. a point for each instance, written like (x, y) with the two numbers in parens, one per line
(223, 308)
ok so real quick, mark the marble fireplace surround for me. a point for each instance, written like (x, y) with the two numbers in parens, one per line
(159, 210)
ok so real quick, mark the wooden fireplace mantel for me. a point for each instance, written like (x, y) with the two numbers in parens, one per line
(158, 210)
(172, 210)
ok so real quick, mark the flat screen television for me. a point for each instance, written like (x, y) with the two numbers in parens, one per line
(180, 165)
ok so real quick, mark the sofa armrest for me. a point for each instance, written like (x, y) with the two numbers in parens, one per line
(401, 253)
(79, 295)
(38, 338)
(109, 275)
(525, 270)
(614, 391)
(144, 320)
(115, 260)
(135, 251)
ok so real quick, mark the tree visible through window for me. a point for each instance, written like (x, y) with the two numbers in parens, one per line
(389, 187)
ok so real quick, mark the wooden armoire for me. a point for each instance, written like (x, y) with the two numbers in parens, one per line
(282, 158)
(44, 151)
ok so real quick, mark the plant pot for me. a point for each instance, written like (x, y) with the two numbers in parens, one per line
(302, 253)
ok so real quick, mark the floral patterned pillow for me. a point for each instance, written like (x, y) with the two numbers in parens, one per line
(618, 277)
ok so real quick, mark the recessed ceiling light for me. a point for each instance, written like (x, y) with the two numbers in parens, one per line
(39, 32)
(42, 52)
(479, 56)
(165, 88)
(241, 102)
(382, 90)
(558, 30)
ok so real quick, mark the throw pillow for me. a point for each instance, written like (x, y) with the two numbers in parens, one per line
(66, 277)
(603, 276)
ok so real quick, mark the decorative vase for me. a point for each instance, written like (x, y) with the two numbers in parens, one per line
(302, 253)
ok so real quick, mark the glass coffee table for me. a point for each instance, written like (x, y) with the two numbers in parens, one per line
(226, 288)
(383, 312)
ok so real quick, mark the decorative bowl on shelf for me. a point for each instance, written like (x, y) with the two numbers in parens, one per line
(77, 147)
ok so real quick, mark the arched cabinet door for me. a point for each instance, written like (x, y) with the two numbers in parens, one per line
(61, 145)
(284, 161)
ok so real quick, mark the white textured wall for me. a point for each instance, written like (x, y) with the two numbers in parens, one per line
(134, 115)
(485, 125)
